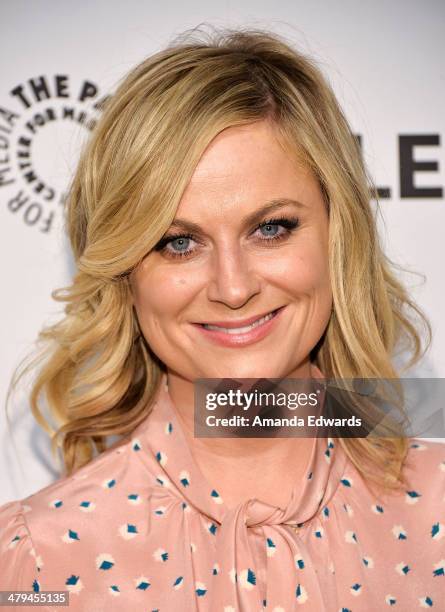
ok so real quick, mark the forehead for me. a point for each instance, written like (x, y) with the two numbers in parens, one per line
(243, 168)
(231, 150)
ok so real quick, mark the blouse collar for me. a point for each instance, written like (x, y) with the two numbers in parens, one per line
(163, 442)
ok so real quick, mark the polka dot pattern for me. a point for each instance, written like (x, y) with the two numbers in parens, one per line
(140, 528)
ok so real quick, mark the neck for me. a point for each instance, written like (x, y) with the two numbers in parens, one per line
(181, 392)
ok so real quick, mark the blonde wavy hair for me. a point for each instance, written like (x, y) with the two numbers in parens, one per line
(96, 372)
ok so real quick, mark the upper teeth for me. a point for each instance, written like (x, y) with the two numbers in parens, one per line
(240, 330)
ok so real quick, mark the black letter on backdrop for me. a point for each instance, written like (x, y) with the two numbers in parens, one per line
(40, 88)
(408, 166)
(379, 193)
(61, 85)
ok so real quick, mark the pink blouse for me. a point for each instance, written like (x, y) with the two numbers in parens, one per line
(140, 529)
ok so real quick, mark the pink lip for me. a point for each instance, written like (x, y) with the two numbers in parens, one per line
(239, 322)
(242, 339)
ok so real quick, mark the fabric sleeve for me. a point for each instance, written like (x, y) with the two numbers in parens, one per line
(18, 559)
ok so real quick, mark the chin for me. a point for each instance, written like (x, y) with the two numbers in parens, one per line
(247, 370)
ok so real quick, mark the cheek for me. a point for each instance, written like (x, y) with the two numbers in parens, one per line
(302, 271)
(159, 296)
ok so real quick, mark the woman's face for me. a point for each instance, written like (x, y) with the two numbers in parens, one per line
(249, 240)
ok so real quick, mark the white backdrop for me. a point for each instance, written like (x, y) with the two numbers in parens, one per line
(384, 60)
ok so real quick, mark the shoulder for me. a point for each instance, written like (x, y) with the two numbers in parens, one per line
(423, 492)
(85, 489)
(71, 509)
(424, 470)
(425, 454)
(18, 556)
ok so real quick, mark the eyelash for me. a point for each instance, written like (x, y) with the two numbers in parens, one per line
(290, 224)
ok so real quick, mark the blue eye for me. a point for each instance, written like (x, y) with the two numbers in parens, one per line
(274, 229)
(270, 229)
(184, 245)
(180, 244)
(176, 246)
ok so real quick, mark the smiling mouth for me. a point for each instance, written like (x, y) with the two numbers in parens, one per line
(244, 329)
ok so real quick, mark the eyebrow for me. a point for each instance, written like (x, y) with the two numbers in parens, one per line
(250, 219)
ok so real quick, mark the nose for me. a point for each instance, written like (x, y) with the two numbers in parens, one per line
(233, 281)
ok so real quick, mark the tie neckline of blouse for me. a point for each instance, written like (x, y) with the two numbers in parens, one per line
(161, 434)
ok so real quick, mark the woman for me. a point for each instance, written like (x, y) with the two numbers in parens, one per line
(220, 219)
